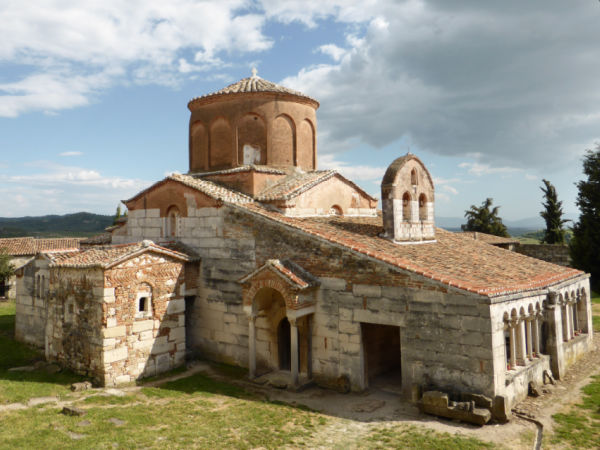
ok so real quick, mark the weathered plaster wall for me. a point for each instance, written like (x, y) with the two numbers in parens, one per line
(30, 318)
(331, 193)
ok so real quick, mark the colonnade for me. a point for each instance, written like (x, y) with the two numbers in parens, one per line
(524, 338)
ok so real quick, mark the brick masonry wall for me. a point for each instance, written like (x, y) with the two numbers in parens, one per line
(138, 344)
(556, 254)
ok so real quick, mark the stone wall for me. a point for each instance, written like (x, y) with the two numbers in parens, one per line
(74, 322)
(138, 343)
(556, 254)
(30, 318)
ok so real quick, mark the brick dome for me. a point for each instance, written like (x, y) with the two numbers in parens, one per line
(252, 122)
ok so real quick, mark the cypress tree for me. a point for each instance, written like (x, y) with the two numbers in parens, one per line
(552, 214)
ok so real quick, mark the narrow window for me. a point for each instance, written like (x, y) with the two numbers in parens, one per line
(413, 177)
(335, 210)
(423, 208)
(406, 215)
(143, 305)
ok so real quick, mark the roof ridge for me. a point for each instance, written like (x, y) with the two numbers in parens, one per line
(250, 85)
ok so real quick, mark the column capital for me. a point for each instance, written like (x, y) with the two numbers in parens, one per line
(293, 322)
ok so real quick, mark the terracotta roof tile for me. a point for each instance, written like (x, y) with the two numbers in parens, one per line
(31, 246)
(490, 238)
(294, 184)
(292, 272)
(108, 256)
(209, 188)
(252, 84)
(297, 183)
(244, 168)
(454, 259)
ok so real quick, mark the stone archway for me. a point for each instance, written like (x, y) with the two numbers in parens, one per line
(279, 299)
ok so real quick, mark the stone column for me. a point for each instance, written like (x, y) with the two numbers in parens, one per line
(536, 334)
(575, 318)
(521, 351)
(569, 321)
(565, 322)
(294, 350)
(554, 344)
(528, 321)
(309, 327)
(252, 346)
(512, 328)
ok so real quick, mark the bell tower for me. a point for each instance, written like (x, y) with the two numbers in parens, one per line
(407, 196)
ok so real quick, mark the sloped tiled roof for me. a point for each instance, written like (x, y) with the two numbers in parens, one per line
(454, 259)
(207, 187)
(290, 271)
(490, 238)
(245, 168)
(106, 257)
(99, 239)
(24, 246)
(294, 184)
(252, 84)
(297, 183)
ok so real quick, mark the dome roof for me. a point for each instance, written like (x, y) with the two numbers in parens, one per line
(250, 85)
(394, 168)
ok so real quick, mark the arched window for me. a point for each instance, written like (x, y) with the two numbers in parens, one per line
(143, 303)
(423, 207)
(335, 210)
(406, 214)
(173, 216)
(413, 177)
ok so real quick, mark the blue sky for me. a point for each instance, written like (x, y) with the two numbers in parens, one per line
(492, 96)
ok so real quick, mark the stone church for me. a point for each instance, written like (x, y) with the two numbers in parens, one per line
(256, 258)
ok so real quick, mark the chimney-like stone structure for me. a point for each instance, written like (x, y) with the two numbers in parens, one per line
(407, 196)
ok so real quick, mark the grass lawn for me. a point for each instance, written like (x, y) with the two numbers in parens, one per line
(195, 411)
(596, 310)
(20, 386)
(580, 427)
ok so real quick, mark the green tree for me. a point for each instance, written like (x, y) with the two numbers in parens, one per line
(552, 214)
(6, 270)
(484, 220)
(117, 214)
(585, 244)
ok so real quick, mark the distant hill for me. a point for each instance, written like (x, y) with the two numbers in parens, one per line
(79, 224)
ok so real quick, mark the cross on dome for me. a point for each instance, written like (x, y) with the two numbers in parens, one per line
(254, 72)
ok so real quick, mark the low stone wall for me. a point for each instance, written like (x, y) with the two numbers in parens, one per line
(556, 254)
(517, 381)
(575, 348)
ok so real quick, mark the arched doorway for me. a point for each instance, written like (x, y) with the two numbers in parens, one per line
(284, 344)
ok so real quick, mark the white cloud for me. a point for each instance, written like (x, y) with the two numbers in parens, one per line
(75, 153)
(353, 172)
(332, 50)
(74, 50)
(513, 83)
(479, 169)
(58, 189)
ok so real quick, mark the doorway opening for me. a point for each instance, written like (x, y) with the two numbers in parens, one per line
(382, 356)
(284, 344)
(189, 335)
